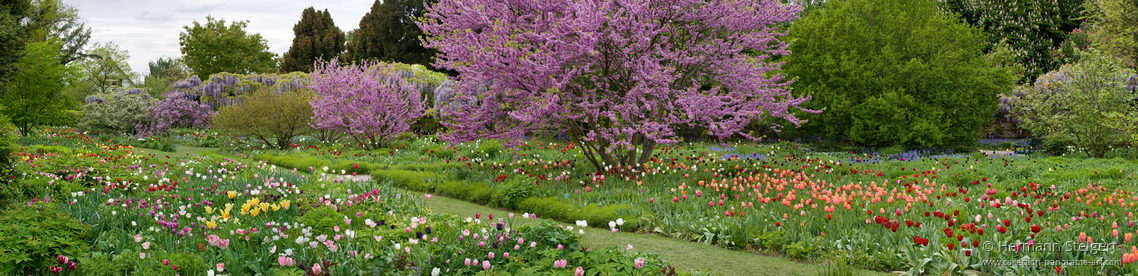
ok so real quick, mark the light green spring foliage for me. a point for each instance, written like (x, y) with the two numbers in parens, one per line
(215, 47)
(107, 70)
(116, 112)
(1087, 103)
(889, 72)
(270, 116)
(34, 95)
(1115, 26)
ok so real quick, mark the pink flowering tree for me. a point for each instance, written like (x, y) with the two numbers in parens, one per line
(616, 76)
(368, 101)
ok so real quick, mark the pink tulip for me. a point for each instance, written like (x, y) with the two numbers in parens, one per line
(223, 244)
(639, 263)
(580, 272)
(485, 265)
(317, 269)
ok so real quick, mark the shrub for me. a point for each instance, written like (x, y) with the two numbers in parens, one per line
(273, 117)
(116, 112)
(31, 236)
(938, 90)
(1089, 103)
(7, 149)
(1056, 147)
(507, 195)
(177, 111)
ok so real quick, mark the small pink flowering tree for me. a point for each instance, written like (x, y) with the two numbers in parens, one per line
(367, 100)
(616, 76)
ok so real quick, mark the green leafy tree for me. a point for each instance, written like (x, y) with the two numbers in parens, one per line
(890, 72)
(273, 117)
(216, 47)
(1031, 28)
(48, 19)
(163, 73)
(1089, 103)
(35, 94)
(317, 37)
(1115, 28)
(105, 69)
(389, 33)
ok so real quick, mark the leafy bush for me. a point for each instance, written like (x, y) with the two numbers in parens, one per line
(273, 117)
(1089, 103)
(116, 112)
(1056, 147)
(31, 236)
(938, 90)
(507, 195)
(7, 149)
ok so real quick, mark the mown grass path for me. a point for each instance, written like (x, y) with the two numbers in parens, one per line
(684, 255)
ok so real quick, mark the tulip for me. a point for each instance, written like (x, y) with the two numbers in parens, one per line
(639, 263)
(485, 265)
(579, 272)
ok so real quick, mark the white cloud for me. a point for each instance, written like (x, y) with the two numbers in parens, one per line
(149, 29)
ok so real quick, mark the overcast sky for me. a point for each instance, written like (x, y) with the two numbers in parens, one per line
(149, 29)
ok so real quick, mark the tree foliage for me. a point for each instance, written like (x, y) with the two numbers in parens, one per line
(216, 47)
(317, 37)
(1031, 28)
(616, 76)
(48, 19)
(1090, 103)
(35, 94)
(894, 73)
(389, 33)
(11, 38)
(163, 73)
(105, 70)
(1115, 28)
(272, 117)
(369, 101)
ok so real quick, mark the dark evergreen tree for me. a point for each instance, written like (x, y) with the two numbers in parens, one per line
(317, 37)
(11, 38)
(389, 33)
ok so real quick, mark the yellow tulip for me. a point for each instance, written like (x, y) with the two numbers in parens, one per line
(231, 194)
(228, 206)
(208, 210)
(211, 224)
(245, 208)
(285, 203)
(264, 207)
(255, 212)
(275, 207)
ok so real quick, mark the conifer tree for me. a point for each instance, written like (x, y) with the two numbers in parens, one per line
(389, 33)
(317, 37)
